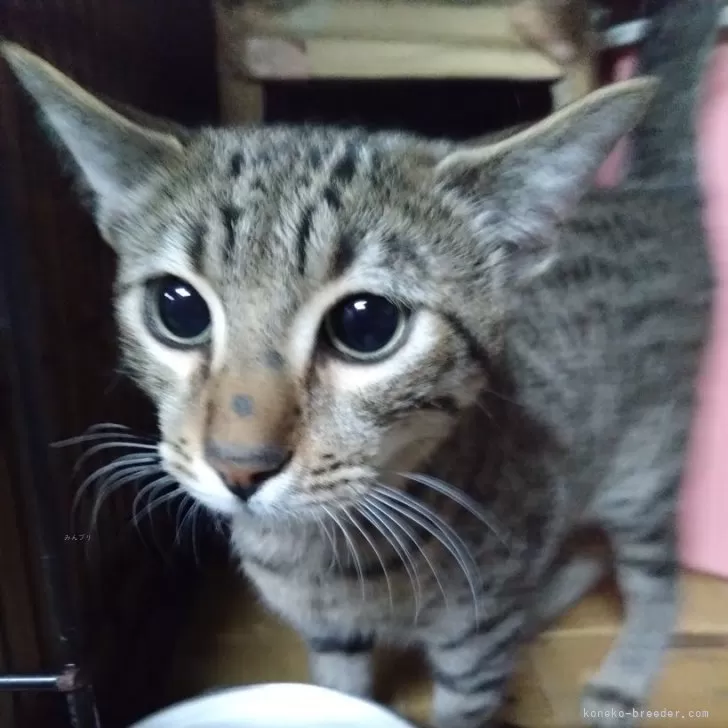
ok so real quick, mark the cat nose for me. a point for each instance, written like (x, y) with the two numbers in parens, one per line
(244, 471)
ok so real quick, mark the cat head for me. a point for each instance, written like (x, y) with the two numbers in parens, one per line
(311, 307)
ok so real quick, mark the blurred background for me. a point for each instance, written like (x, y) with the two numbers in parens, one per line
(131, 588)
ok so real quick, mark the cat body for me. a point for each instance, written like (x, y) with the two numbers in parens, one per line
(540, 341)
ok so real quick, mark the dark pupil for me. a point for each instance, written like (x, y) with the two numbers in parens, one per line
(364, 324)
(182, 310)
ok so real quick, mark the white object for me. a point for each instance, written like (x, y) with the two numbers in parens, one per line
(634, 31)
(274, 705)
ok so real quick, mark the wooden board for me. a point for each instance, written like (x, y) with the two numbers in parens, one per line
(394, 20)
(367, 39)
(232, 640)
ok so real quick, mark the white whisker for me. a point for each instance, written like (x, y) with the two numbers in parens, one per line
(376, 516)
(131, 474)
(116, 467)
(351, 548)
(378, 554)
(149, 490)
(458, 497)
(331, 540)
(443, 532)
(107, 426)
(389, 509)
(189, 517)
(108, 446)
(161, 500)
(112, 427)
(143, 442)
(179, 521)
(111, 481)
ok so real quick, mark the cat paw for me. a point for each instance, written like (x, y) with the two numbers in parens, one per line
(605, 706)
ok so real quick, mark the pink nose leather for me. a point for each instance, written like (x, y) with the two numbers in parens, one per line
(237, 477)
(244, 470)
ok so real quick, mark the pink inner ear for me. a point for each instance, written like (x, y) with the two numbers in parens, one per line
(704, 502)
(610, 172)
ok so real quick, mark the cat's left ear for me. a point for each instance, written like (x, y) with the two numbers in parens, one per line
(114, 155)
(521, 187)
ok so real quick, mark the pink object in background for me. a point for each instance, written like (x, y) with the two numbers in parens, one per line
(704, 508)
(703, 512)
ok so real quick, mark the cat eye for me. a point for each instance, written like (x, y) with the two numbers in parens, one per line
(365, 327)
(177, 313)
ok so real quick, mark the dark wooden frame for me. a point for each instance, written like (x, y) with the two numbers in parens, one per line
(57, 351)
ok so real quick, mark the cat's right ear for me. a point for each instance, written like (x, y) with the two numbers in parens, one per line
(116, 156)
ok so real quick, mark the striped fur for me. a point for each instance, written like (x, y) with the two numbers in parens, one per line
(545, 384)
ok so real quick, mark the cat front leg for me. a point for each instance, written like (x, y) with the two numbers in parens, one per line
(637, 510)
(584, 562)
(471, 669)
(343, 663)
(648, 578)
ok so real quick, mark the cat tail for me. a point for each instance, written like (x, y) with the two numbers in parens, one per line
(680, 38)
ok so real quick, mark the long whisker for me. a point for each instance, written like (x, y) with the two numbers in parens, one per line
(151, 491)
(391, 510)
(188, 516)
(407, 500)
(108, 426)
(102, 436)
(181, 519)
(108, 446)
(103, 494)
(124, 460)
(460, 498)
(134, 473)
(115, 427)
(377, 553)
(148, 491)
(351, 548)
(378, 516)
(331, 540)
(443, 532)
(121, 480)
(501, 396)
(111, 481)
(373, 514)
(120, 465)
(481, 406)
(161, 500)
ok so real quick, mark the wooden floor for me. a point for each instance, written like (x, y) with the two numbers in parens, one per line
(231, 640)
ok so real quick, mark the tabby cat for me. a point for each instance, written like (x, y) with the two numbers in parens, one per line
(408, 371)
